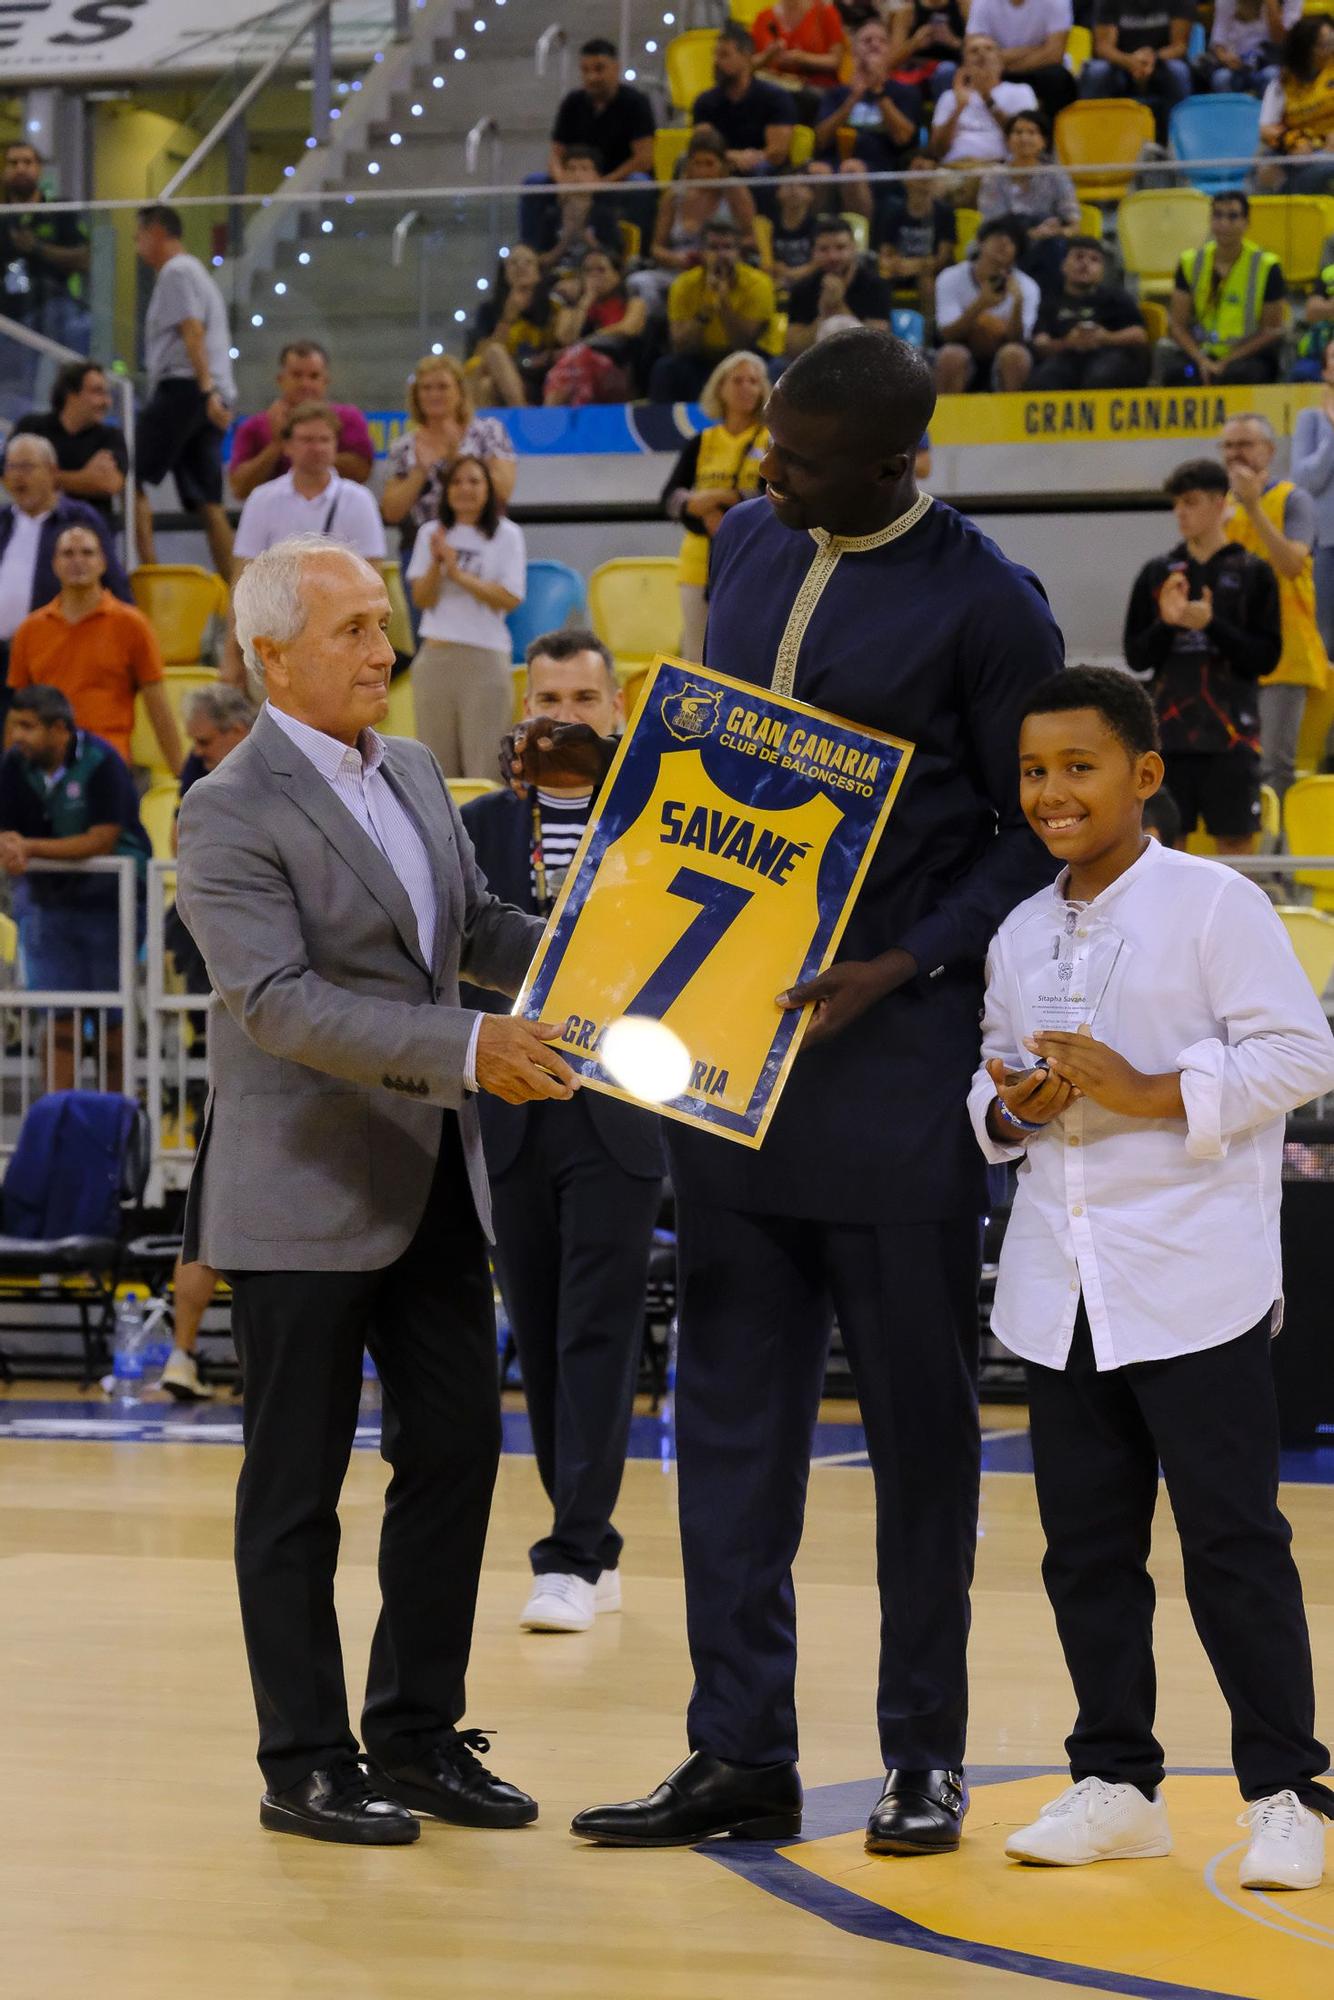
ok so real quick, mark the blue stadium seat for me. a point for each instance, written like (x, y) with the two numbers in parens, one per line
(553, 591)
(908, 325)
(1217, 127)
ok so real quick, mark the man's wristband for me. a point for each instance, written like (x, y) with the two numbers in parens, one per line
(1008, 1117)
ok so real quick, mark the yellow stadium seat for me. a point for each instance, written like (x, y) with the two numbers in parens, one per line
(464, 790)
(1090, 220)
(1078, 49)
(633, 682)
(519, 680)
(631, 239)
(179, 682)
(9, 940)
(402, 717)
(1155, 227)
(1311, 934)
(157, 810)
(748, 11)
(178, 599)
(1154, 316)
(1271, 815)
(690, 65)
(635, 609)
(1294, 227)
(1100, 133)
(802, 149)
(764, 242)
(967, 222)
(1308, 826)
(669, 145)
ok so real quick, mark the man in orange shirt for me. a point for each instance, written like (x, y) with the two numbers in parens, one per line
(99, 652)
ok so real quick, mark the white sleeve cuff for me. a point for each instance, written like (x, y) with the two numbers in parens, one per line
(470, 1059)
(1201, 1067)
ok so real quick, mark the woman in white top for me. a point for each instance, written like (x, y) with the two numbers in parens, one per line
(465, 574)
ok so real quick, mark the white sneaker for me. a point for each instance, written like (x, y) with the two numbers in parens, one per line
(608, 1593)
(1287, 1849)
(1094, 1821)
(180, 1378)
(559, 1604)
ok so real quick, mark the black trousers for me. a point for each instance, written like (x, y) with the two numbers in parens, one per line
(429, 1323)
(1210, 1419)
(1107, 368)
(572, 1240)
(756, 1294)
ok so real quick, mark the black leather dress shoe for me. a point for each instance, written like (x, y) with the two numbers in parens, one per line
(702, 1797)
(449, 1781)
(920, 1812)
(338, 1803)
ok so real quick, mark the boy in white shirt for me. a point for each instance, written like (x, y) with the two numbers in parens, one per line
(1147, 1029)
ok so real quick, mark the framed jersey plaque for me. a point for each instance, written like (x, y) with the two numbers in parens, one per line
(718, 869)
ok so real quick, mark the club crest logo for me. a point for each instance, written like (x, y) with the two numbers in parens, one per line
(693, 713)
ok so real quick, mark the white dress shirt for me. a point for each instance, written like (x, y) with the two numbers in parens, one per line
(276, 509)
(1168, 1228)
(17, 566)
(356, 779)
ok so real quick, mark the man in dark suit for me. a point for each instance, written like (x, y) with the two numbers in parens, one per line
(845, 587)
(327, 880)
(574, 1189)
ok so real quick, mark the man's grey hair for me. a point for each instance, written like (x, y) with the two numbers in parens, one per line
(43, 446)
(1262, 424)
(225, 707)
(267, 601)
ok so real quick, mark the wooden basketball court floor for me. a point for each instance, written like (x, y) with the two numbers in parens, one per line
(132, 1864)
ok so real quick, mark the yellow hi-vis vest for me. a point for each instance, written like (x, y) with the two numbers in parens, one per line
(1233, 312)
(1303, 661)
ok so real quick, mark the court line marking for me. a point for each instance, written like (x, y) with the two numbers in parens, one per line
(1248, 1910)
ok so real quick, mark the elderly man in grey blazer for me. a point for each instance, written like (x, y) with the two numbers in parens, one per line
(329, 883)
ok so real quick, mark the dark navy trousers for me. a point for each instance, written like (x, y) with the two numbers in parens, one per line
(758, 1293)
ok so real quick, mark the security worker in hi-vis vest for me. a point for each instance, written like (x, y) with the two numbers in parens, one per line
(1229, 304)
(845, 588)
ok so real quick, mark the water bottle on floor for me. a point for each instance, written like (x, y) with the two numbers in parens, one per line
(129, 1343)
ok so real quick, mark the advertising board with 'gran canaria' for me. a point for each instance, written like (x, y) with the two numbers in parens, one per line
(718, 870)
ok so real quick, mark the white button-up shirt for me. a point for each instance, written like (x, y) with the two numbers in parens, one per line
(356, 779)
(1169, 1229)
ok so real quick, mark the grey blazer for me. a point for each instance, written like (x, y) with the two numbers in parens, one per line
(334, 1049)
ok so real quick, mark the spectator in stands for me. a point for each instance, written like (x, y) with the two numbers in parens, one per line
(968, 129)
(597, 329)
(1089, 335)
(465, 574)
(1297, 110)
(1317, 329)
(192, 391)
(718, 468)
(719, 306)
(1245, 44)
(843, 290)
(1031, 36)
(216, 719)
(916, 240)
(1202, 627)
(986, 311)
(754, 118)
(927, 38)
(1039, 195)
(880, 116)
(581, 218)
(1139, 50)
(1229, 303)
(444, 428)
(44, 259)
(574, 1197)
(99, 652)
(259, 449)
(1313, 469)
(684, 211)
(30, 526)
(606, 114)
(800, 44)
(66, 796)
(1275, 520)
(312, 498)
(512, 334)
(91, 455)
(793, 235)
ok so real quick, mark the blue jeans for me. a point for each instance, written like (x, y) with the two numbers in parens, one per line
(1168, 84)
(71, 949)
